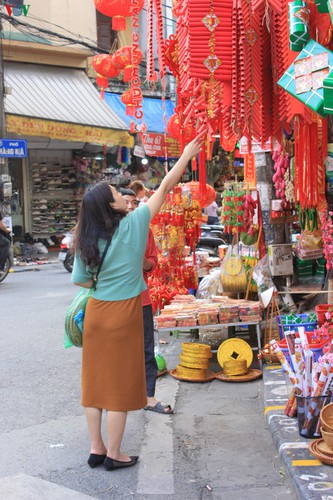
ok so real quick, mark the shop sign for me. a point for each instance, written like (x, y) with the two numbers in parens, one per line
(157, 145)
(260, 159)
(12, 148)
(22, 125)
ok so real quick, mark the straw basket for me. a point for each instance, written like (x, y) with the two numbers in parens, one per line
(326, 418)
(328, 438)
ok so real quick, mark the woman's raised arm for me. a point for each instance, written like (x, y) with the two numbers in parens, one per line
(170, 180)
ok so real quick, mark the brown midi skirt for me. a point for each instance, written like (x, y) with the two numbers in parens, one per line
(113, 365)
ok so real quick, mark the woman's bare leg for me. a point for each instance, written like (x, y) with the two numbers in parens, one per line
(94, 420)
(116, 422)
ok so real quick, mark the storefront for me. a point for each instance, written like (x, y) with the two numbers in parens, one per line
(60, 114)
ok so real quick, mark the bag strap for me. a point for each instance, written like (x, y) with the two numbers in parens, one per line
(100, 264)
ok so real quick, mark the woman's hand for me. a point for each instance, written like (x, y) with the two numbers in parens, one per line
(194, 147)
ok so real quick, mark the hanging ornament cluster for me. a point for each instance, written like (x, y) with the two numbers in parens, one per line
(281, 166)
(176, 226)
(309, 171)
(238, 209)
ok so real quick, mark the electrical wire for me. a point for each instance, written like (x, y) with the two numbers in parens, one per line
(20, 25)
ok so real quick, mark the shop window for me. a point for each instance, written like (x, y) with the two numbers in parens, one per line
(106, 36)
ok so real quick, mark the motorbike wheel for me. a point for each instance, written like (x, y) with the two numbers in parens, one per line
(5, 271)
(68, 262)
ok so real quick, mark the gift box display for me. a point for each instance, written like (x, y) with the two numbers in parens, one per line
(330, 9)
(304, 78)
(322, 6)
(298, 16)
(328, 94)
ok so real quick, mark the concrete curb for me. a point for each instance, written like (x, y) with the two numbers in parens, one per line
(312, 479)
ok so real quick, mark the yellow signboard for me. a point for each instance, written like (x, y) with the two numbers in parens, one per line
(37, 127)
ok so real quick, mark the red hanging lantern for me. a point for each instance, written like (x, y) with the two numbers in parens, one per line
(176, 130)
(205, 200)
(103, 83)
(127, 99)
(104, 66)
(118, 10)
(122, 59)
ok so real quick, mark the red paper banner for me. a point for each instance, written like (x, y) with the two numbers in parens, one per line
(250, 170)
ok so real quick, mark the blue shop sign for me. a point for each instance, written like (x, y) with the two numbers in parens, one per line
(13, 148)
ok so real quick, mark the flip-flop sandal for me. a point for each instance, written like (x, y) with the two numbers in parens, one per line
(159, 408)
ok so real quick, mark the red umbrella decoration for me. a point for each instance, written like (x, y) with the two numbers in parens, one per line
(118, 10)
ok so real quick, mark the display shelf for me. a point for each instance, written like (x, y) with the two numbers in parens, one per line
(55, 204)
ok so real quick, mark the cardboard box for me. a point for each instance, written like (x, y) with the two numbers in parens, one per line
(280, 260)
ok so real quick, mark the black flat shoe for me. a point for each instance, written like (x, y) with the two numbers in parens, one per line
(95, 460)
(111, 463)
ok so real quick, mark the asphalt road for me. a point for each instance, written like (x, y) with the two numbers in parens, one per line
(216, 445)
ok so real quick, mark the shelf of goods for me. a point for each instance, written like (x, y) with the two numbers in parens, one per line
(54, 205)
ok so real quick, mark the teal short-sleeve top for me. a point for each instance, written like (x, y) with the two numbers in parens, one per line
(121, 275)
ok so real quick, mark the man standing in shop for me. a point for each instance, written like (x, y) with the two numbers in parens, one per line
(149, 264)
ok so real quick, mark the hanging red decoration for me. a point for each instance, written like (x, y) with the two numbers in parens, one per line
(103, 83)
(205, 200)
(176, 130)
(123, 58)
(118, 10)
(104, 66)
(127, 99)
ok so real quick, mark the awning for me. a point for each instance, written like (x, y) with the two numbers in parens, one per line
(60, 103)
(152, 111)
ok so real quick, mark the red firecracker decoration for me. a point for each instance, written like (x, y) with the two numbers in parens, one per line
(118, 10)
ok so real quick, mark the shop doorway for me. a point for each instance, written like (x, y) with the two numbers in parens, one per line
(15, 170)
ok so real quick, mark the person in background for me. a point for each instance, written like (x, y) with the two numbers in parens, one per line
(139, 189)
(113, 365)
(149, 264)
(213, 211)
(5, 242)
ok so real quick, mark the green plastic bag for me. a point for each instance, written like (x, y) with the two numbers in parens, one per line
(75, 318)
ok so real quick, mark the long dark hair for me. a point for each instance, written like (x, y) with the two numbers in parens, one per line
(97, 219)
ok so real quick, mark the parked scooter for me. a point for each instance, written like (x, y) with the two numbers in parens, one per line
(8, 261)
(210, 240)
(65, 255)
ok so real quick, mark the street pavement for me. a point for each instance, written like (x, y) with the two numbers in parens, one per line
(217, 445)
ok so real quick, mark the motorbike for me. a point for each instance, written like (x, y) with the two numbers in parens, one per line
(8, 261)
(210, 240)
(65, 255)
